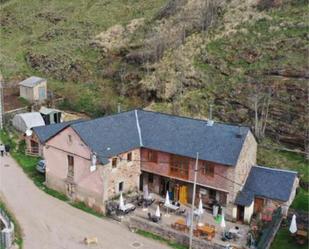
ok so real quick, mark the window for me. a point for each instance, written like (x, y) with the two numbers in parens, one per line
(70, 166)
(120, 187)
(208, 169)
(179, 166)
(152, 156)
(129, 156)
(70, 139)
(114, 162)
(150, 178)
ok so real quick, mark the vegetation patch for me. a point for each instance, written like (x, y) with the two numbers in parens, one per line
(17, 228)
(270, 157)
(284, 240)
(301, 201)
(158, 238)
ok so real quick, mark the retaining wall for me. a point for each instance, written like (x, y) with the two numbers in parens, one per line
(170, 234)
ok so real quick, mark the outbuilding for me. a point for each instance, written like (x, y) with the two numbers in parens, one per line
(25, 121)
(33, 89)
(50, 115)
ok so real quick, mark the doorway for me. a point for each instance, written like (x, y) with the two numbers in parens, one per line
(240, 213)
(258, 204)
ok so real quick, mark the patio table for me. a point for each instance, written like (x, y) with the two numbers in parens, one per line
(302, 233)
(180, 225)
(127, 207)
(180, 222)
(172, 207)
(207, 230)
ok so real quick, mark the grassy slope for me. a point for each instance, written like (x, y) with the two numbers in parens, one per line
(80, 21)
(285, 160)
(61, 32)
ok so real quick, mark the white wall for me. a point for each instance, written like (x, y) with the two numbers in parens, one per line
(248, 212)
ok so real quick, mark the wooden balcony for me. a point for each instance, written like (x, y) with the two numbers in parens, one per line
(33, 151)
(179, 173)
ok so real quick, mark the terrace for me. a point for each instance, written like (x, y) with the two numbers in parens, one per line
(202, 225)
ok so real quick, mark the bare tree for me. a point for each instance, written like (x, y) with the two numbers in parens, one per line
(261, 99)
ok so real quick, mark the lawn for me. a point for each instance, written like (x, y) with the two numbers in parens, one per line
(284, 160)
(283, 240)
(301, 201)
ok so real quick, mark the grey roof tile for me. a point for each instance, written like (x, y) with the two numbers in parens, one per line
(31, 81)
(108, 136)
(45, 132)
(266, 182)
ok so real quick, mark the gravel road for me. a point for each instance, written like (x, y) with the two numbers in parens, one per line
(49, 223)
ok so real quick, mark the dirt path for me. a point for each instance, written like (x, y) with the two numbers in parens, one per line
(49, 223)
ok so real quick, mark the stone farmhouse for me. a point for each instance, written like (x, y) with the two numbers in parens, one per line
(93, 161)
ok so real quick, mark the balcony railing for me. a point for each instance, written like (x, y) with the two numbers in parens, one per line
(33, 151)
(179, 173)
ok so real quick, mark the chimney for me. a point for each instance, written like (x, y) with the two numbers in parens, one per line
(210, 122)
(239, 133)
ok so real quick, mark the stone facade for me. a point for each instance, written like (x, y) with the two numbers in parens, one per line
(246, 159)
(127, 172)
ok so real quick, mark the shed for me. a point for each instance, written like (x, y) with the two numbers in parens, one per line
(26, 121)
(50, 115)
(33, 89)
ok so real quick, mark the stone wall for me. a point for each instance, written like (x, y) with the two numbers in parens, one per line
(7, 233)
(9, 115)
(170, 234)
(126, 171)
(246, 159)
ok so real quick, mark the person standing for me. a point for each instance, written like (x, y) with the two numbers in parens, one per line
(7, 148)
(2, 149)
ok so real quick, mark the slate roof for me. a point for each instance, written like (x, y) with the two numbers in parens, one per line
(45, 132)
(108, 136)
(269, 183)
(31, 81)
(115, 134)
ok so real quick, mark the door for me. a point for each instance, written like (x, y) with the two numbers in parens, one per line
(34, 147)
(183, 194)
(240, 213)
(70, 189)
(141, 177)
(258, 204)
(42, 94)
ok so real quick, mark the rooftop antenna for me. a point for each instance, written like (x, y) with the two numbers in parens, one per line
(239, 131)
(210, 122)
(210, 112)
(119, 108)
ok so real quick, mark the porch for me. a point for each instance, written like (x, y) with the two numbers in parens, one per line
(182, 191)
(207, 220)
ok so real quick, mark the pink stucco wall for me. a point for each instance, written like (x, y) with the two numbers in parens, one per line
(56, 151)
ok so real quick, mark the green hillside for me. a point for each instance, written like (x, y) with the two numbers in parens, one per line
(246, 59)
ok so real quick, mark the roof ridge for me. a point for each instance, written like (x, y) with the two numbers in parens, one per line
(276, 169)
(191, 118)
(107, 116)
(138, 129)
